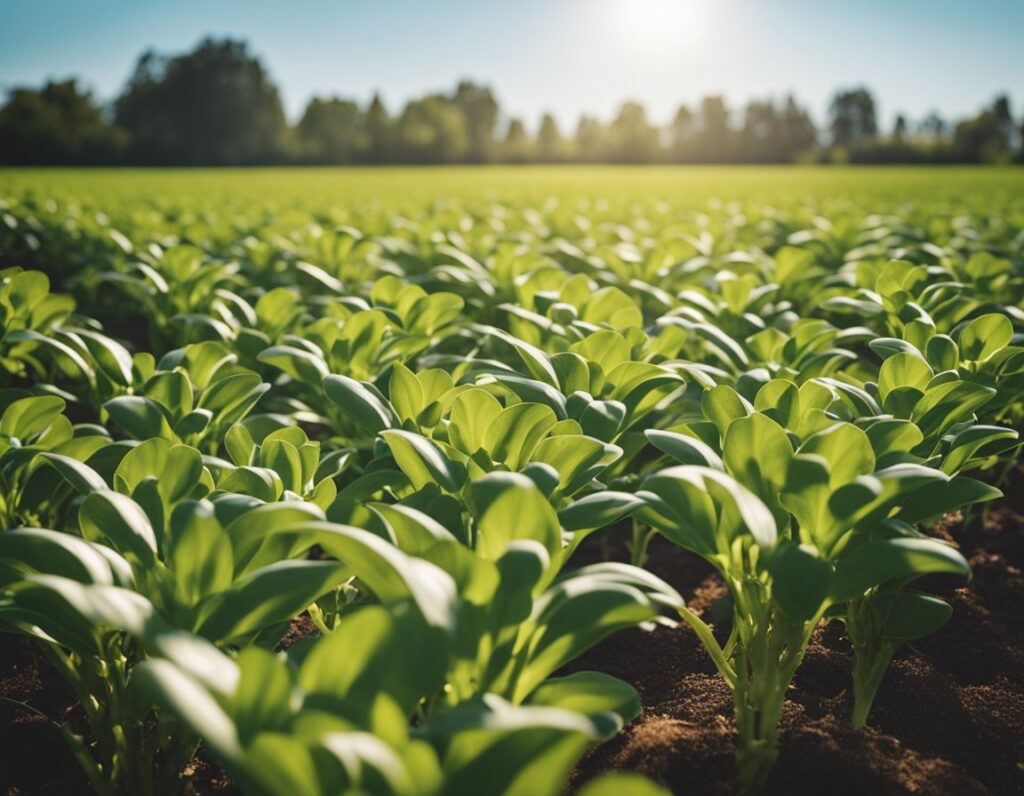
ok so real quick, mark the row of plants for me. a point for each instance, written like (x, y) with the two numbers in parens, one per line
(403, 428)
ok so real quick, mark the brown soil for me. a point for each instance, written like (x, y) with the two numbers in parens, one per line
(949, 718)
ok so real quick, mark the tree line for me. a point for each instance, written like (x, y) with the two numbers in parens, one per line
(218, 106)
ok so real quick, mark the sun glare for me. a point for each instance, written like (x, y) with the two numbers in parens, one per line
(657, 25)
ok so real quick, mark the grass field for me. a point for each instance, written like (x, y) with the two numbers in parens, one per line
(682, 185)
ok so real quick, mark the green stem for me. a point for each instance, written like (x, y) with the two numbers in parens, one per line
(317, 616)
(707, 638)
(638, 546)
(868, 673)
(768, 650)
(871, 656)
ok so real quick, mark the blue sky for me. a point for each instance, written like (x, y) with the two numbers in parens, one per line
(566, 56)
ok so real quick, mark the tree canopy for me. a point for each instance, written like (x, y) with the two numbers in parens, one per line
(217, 105)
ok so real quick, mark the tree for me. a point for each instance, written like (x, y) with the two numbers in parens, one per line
(799, 131)
(379, 132)
(680, 135)
(431, 130)
(713, 141)
(591, 140)
(1003, 120)
(215, 105)
(775, 133)
(933, 127)
(57, 125)
(515, 148)
(633, 138)
(852, 117)
(762, 134)
(550, 146)
(899, 130)
(480, 110)
(332, 131)
(988, 137)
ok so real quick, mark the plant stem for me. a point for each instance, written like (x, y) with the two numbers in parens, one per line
(707, 638)
(317, 617)
(638, 546)
(871, 656)
(768, 649)
(868, 672)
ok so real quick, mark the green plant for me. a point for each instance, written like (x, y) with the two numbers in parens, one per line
(805, 517)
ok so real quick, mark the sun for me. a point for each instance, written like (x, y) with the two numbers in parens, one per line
(656, 25)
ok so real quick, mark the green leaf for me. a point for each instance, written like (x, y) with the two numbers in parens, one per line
(423, 461)
(177, 468)
(161, 683)
(942, 353)
(172, 391)
(240, 444)
(65, 602)
(105, 514)
(536, 361)
(54, 553)
(283, 458)
(140, 417)
(27, 417)
(256, 534)
(757, 453)
(262, 701)
(598, 510)
(507, 507)
(685, 449)
(622, 783)
(972, 439)
(472, 413)
(596, 695)
(365, 408)
(903, 370)
(259, 482)
(722, 405)
(907, 616)
(876, 562)
(62, 349)
(603, 419)
(806, 495)
(493, 747)
(606, 347)
(575, 614)
(576, 459)
(980, 339)
(934, 500)
(389, 573)
(801, 580)
(232, 397)
(301, 365)
(267, 596)
(845, 448)
(516, 431)
(80, 475)
(112, 358)
(779, 399)
(405, 392)
(893, 436)
(198, 552)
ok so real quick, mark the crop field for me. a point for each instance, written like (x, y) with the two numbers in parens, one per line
(524, 481)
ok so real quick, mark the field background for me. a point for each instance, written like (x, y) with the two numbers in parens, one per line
(871, 188)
